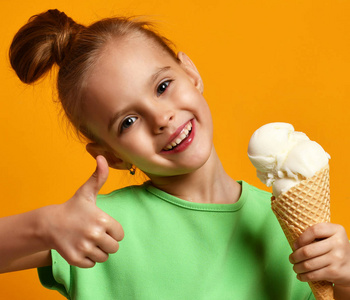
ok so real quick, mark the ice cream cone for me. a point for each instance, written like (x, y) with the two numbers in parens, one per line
(302, 206)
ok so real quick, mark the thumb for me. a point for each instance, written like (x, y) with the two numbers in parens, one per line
(93, 185)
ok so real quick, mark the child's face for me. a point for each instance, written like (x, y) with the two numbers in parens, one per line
(140, 100)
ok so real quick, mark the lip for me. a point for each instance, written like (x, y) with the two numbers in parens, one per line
(185, 143)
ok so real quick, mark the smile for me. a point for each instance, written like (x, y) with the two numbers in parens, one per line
(184, 134)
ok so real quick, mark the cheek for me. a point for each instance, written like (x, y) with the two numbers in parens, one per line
(190, 98)
(133, 146)
(202, 108)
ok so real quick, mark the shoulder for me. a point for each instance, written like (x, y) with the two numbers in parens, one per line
(256, 192)
(256, 197)
(258, 210)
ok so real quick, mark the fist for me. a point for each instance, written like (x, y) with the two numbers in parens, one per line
(80, 231)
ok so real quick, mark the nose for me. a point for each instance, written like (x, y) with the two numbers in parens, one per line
(161, 119)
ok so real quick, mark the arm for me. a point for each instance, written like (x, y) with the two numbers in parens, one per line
(36, 260)
(323, 253)
(81, 232)
(21, 239)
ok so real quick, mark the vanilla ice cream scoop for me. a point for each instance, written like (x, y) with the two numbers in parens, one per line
(283, 157)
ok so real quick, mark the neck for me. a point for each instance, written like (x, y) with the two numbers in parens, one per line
(208, 184)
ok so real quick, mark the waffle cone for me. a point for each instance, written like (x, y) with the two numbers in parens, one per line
(300, 207)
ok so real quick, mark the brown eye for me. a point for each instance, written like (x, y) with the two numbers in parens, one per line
(162, 87)
(127, 123)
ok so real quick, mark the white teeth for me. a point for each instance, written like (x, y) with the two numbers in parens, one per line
(184, 134)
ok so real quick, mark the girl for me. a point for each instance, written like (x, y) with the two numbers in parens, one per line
(191, 232)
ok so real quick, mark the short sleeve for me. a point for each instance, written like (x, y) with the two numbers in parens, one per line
(57, 276)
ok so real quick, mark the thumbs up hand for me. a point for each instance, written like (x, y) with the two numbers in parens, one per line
(81, 232)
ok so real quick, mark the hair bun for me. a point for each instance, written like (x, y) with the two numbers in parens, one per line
(43, 41)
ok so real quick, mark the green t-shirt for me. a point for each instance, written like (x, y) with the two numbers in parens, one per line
(175, 249)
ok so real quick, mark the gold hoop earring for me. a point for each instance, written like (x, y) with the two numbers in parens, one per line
(132, 170)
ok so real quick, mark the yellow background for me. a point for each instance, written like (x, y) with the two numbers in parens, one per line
(261, 62)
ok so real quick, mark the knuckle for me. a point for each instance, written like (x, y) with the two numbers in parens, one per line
(309, 276)
(332, 271)
(87, 264)
(342, 241)
(84, 247)
(308, 265)
(112, 247)
(316, 229)
(305, 252)
(338, 255)
(94, 234)
(74, 260)
(101, 257)
(319, 229)
(102, 220)
(337, 241)
(313, 229)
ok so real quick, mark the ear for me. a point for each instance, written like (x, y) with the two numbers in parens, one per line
(113, 161)
(191, 70)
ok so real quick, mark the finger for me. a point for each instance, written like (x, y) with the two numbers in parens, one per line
(108, 244)
(93, 185)
(307, 252)
(97, 255)
(318, 231)
(115, 230)
(85, 263)
(311, 265)
(316, 275)
(109, 225)
(75, 259)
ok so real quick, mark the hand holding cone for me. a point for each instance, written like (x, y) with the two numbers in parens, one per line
(302, 206)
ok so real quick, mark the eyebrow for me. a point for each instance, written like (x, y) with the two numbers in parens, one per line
(158, 73)
(153, 78)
